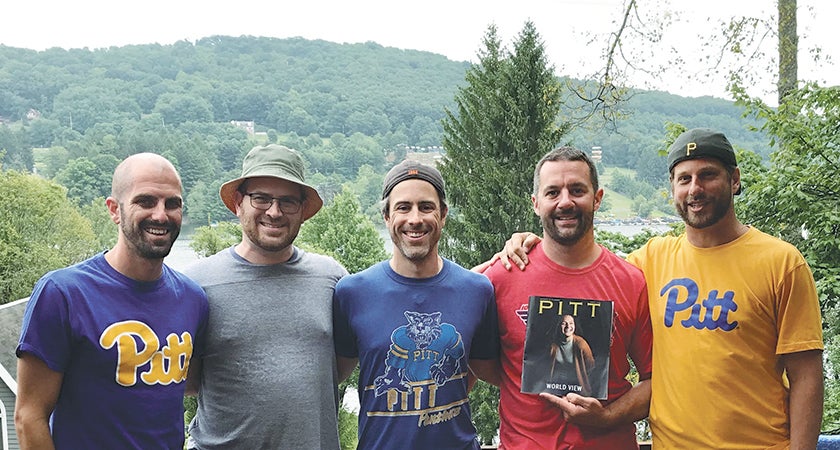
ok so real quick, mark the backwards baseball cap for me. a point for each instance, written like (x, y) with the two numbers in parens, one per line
(275, 161)
(408, 170)
(701, 143)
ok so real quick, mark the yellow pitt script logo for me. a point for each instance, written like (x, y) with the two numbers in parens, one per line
(166, 365)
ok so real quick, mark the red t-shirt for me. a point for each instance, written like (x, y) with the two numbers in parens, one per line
(527, 421)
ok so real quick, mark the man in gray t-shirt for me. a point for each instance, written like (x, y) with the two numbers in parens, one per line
(267, 377)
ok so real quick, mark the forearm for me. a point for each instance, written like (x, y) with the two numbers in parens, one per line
(33, 432)
(630, 407)
(488, 370)
(345, 367)
(38, 390)
(806, 398)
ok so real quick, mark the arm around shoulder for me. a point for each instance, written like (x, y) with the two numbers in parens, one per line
(38, 390)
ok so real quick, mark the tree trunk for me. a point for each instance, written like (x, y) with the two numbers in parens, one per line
(788, 48)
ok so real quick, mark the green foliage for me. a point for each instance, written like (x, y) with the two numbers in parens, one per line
(348, 429)
(88, 178)
(368, 188)
(40, 230)
(190, 405)
(623, 245)
(103, 227)
(505, 121)
(203, 205)
(345, 233)
(209, 240)
(484, 404)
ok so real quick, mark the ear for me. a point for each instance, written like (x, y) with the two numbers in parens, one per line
(599, 195)
(113, 209)
(237, 202)
(536, 204)
(736, 179)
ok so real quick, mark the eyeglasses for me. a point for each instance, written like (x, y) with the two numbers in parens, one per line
(288, 205)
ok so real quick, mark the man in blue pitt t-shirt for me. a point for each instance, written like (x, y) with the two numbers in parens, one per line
(415, 323)
(106, 343)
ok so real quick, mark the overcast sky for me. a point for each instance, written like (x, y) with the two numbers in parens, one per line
(453, 28)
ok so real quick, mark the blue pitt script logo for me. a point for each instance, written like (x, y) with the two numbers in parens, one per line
(711, 313)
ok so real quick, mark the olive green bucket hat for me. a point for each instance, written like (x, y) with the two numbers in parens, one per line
(275, 161)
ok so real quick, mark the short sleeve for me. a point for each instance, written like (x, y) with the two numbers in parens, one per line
(46, 332)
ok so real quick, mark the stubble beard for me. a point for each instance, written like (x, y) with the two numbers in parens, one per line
(703, 220)
(567, 237)
(136, 238)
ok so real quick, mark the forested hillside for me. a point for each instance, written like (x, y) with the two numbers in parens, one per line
(348, 107)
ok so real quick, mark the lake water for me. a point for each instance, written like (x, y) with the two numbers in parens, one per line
(181, 254)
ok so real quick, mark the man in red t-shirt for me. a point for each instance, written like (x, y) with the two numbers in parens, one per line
(568, 263)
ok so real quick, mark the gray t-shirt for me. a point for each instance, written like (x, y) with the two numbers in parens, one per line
(269, 375)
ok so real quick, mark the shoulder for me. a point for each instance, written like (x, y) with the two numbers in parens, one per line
(655, 246)
(76, 274)
(372, 275)
(615, 262)
(321, 264)
(774, 252)
(184, 282)
(205, 268)
(465, 275)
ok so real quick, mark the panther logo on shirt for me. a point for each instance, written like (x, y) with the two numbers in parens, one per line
(424, 349)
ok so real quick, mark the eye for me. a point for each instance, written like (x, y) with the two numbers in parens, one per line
(289, 201)
(261, 199)
(145, 202)
(174, 203)
(427, 207)
(402, 207)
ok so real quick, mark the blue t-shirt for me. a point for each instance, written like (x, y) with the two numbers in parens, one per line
(413, 338)
(123, 347)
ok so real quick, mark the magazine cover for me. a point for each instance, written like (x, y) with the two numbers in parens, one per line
(567, 346)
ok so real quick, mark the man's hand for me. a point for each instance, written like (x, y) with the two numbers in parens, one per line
(516, 251)
(580, 410)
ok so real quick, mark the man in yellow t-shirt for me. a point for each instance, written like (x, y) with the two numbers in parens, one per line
(737, 347)
(737, 333)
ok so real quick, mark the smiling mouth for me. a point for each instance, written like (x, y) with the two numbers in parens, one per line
(414, 234)
(158, 230)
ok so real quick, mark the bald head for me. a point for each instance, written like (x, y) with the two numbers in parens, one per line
(128, 169)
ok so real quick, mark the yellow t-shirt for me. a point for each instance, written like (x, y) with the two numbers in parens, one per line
(720, 317)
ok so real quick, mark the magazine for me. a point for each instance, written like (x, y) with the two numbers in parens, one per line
(567, 346)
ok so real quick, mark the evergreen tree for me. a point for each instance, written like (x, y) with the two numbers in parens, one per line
(505, 120)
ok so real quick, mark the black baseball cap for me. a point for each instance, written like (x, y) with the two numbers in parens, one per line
(408, 170)
(701, 143)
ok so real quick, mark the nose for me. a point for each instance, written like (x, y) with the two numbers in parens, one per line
(159, 212)
(564, 200)
(694, 187)
(413, 216)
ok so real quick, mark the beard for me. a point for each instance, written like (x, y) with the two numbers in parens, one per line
(709, 216)
(566, 236)
(145, 244)
(416, 252)
(266, 240)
